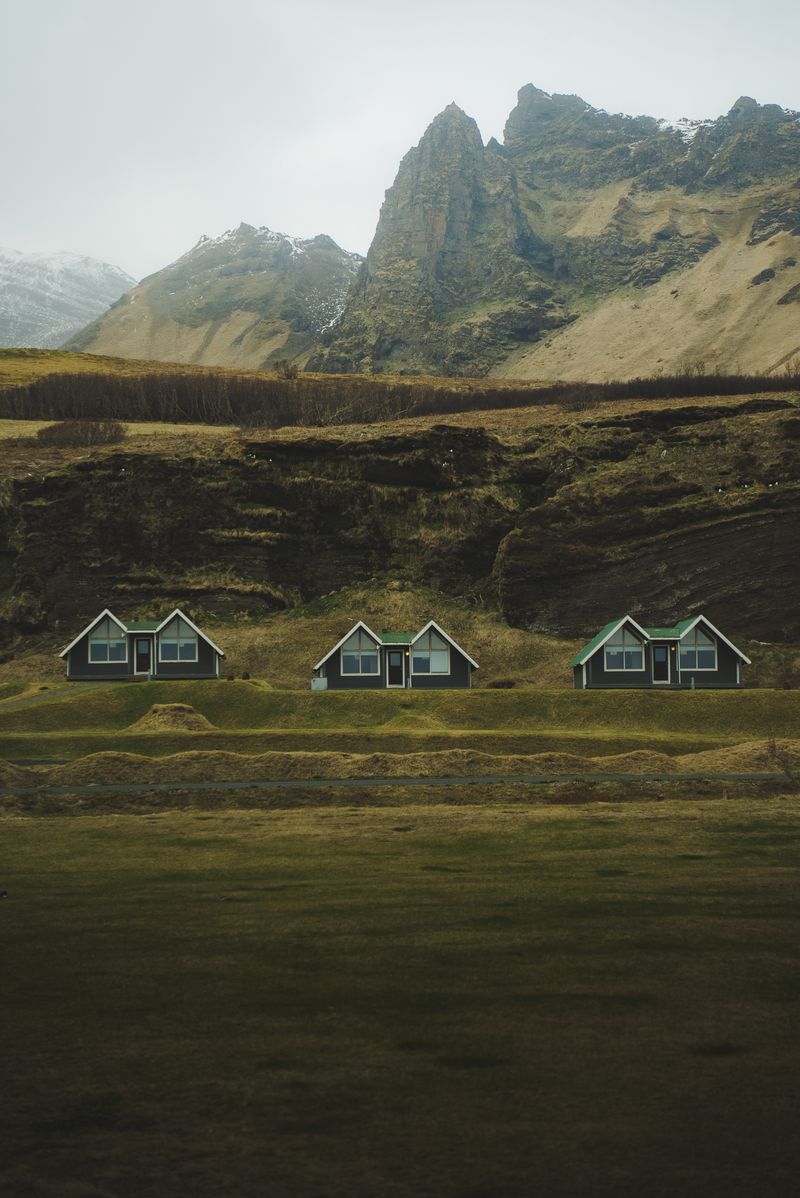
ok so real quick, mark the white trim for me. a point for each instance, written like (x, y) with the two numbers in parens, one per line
(441, 631)
(402, 651)
(191, 623)
(716, 632)
(583, 668)
(347, 635)
(623, 669)
(105, 612)
(585, 657)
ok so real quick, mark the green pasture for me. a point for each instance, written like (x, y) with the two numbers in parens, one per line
(727, 715)
(445, 1002)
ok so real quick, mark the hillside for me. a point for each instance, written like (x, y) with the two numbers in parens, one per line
(547, 519)
(244, 299)
(586, 245)
(46, 298)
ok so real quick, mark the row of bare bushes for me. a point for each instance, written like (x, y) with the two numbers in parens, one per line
(272, 402)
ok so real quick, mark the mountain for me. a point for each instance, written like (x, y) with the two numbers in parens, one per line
(244, 299)
(46, 298)
(588, 244)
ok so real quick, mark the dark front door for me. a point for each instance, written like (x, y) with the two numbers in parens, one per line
(143, 653)
(660, 663)
(395, 670)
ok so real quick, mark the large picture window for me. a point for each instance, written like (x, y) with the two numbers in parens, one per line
(624, 651)
(107, 643)
(360, 654)
(177, 642)
(698, 651)
(431, 654)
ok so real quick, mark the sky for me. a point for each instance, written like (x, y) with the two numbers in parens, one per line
(128, 130)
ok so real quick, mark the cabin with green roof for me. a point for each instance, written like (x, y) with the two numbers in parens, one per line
(688, 655)
(365, 660)
(109, 648)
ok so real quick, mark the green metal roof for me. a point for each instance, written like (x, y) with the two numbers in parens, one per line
(396, 638)
(654, 634)
(142, 625)
(587, 650)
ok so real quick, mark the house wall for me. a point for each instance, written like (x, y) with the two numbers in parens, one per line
(459, 676)
(204, 667)
(332, 670)
(80, 668)
(598, 678)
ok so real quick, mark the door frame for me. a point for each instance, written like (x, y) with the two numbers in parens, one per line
(396, 685)
(152, 642)
(661, 681)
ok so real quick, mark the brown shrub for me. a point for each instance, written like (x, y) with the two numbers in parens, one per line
(77, 433)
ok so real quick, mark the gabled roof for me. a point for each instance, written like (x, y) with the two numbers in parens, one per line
(139, 626)
(602, 636)
(346, 637)
(693, 620)
(395, 638)
(199, 631)
(441, 631)
(105, 612)
(676, 633)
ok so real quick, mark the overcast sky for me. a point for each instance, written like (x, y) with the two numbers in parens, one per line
(128, 129)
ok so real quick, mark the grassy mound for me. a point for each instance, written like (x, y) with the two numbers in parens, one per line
(168, 717)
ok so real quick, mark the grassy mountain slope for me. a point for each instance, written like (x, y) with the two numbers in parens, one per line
(244, 299)
(588, 244)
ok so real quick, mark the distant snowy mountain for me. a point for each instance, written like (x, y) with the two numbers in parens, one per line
(46, 298)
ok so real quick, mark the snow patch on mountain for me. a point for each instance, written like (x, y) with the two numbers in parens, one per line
(46, 298)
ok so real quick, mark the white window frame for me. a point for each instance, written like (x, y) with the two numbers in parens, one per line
(431, 673)
(623, 669)
(177, 661)
(375, 652)
(685, 645)
(106, 640)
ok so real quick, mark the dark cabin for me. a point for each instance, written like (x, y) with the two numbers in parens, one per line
(366, 660)
(691, 655)
(141, 649)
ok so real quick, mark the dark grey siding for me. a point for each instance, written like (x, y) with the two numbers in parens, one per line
(598, 678)
(459, 675)
(724, 675)
(204, 667)
(79, 668)
(332, 670)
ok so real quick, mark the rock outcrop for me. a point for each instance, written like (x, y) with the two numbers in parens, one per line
(531, 259)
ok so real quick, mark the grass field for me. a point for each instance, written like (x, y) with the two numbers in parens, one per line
(450, 1001)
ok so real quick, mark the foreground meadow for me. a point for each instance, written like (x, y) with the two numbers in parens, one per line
(488, 1001)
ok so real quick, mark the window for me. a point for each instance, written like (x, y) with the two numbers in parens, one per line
(360, 654)
(431, 654)
(698, 651)
(107, 642)
(624, 651)
(177, 642)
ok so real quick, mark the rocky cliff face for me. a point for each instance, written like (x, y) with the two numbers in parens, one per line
(532, 259)
(666, 509)
(243, 299)
(46, 298)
